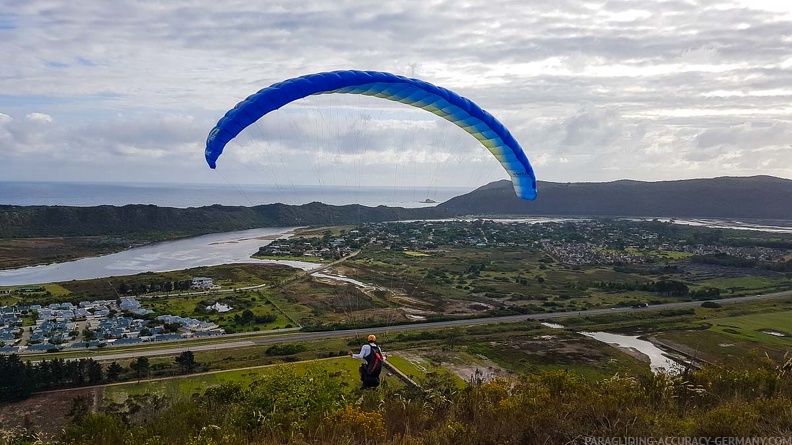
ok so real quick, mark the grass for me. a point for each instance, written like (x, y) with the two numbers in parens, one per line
(592, 360)
(750, 283)
(733, 332)
(409, 368)
(344, 368)
(673, 255)
(550, 407)
(718, 347)
(750, 327)
(415, 254)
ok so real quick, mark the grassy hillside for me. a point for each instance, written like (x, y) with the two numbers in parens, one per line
(313, 407)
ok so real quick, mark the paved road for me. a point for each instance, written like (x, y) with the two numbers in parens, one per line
(304, 336)
(172, 350)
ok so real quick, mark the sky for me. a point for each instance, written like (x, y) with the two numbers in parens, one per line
(127, 91)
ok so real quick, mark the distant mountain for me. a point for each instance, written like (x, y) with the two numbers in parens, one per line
(756, 197)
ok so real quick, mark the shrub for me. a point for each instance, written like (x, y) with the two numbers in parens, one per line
(285, 349)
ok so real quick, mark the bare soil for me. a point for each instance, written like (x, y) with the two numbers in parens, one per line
(47, 412)
(468, 369)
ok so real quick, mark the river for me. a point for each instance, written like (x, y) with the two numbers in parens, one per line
(206, 250)
(658, 360)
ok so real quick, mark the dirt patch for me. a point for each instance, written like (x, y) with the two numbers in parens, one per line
(482, 371)
(465, 307)
(416, 314)
(409, 301)
(47, 412)
(467, 367)
(552, 349)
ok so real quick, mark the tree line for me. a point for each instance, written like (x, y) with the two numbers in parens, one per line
(723, 259)
(21, 378)
(667, 288)
(155, 286)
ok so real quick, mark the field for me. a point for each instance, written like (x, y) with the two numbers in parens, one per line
(345, 369)
(773, 328)
(738, 337)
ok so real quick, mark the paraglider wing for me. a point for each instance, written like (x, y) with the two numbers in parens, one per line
(440, 101)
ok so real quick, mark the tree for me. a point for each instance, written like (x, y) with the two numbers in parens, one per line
(88, 334)
(16, 378)
(247, 317)
(140, 367)
(171, 327)
(114, 371)
(94, 371)
(186, 361)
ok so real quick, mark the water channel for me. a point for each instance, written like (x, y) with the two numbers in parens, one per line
(658, 360)
(208, 250)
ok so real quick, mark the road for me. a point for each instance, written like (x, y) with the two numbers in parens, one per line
(306, 336)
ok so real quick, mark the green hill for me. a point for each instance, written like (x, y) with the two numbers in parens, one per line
(757, 197)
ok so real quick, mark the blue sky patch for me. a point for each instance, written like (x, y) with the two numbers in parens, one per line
(8, 21)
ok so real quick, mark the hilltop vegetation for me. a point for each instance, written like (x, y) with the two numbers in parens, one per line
(285, 407)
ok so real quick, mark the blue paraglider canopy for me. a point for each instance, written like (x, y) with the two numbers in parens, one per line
(440, 101)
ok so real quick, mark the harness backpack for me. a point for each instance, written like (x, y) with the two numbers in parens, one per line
(370, 371)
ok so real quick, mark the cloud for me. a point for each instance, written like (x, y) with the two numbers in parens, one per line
(747, 135)
(592, 90)
(39, 117)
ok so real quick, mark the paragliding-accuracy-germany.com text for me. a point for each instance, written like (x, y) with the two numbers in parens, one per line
(679, 440)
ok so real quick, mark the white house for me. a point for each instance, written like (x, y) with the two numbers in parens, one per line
(202, 283)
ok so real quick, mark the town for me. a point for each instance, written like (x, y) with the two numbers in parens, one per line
(571, 242)
(96, 324)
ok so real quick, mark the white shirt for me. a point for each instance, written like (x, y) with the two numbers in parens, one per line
(365, 350)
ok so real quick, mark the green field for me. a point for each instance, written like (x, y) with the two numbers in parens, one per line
(742, 284)
(344, 368)
(728, 334)
(751, 327)
(416, 367)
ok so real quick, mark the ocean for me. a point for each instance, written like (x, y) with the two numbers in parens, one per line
(85, 194)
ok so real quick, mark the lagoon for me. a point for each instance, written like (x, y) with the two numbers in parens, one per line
(207, 250)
